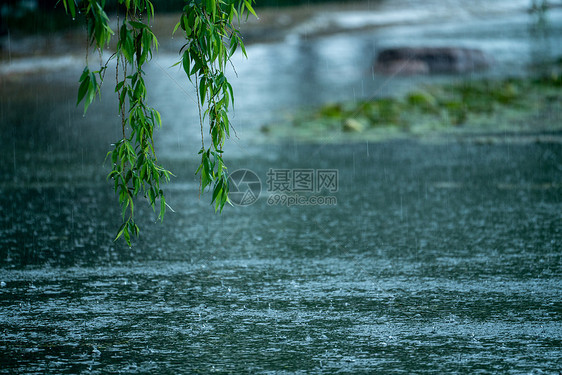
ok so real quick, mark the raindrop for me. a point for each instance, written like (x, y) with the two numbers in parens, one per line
(14, 158)
(9, 48)
(354, 168)
(2, 284)
(401, 209)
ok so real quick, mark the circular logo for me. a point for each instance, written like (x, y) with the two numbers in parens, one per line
(244, 187)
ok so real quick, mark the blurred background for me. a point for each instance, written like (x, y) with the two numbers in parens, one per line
(442, 253)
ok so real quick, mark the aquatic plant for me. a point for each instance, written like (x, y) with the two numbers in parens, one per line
(468, 104)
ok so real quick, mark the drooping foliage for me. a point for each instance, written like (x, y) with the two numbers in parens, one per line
(211, 39)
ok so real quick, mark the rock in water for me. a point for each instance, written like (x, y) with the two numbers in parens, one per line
(402, 67)
(423, 60)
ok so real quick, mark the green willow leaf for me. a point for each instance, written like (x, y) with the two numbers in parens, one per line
(83, 89)
(138, 25)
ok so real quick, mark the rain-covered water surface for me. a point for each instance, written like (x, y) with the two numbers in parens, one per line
(439, 257)
(436, 259)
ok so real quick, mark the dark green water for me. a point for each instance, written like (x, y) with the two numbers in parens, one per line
(437, 258)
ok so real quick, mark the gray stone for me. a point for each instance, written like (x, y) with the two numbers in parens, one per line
(423, 60)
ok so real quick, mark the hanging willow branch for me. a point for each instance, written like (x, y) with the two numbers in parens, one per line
(211, 40)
